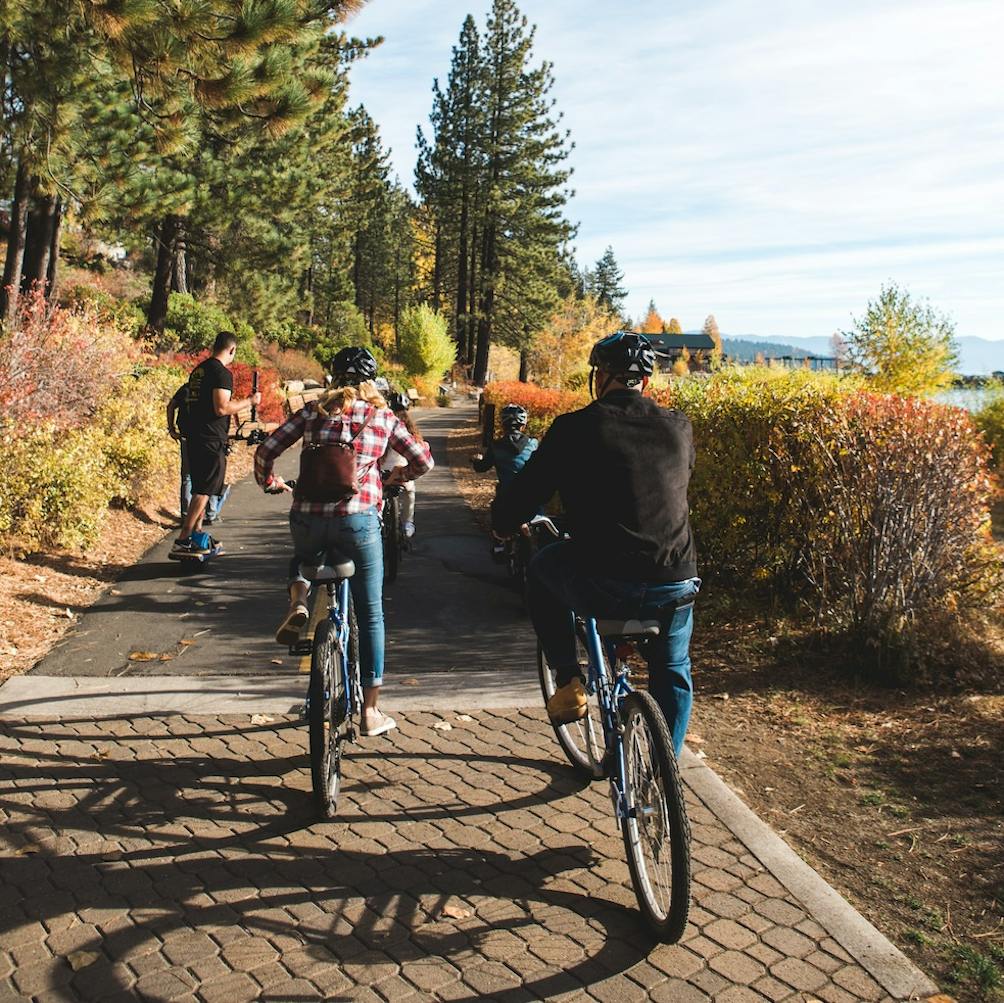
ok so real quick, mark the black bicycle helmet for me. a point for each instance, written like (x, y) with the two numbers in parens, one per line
(353, 365)
(625, 355)
(514, 416)
(398, 401)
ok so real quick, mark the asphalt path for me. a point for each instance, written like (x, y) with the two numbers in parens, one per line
(450, 610)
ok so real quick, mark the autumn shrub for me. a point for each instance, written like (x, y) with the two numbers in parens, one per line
(57, 363)
(272, 398)
(109, 309)
(292, 363)
(869, 510)
(56, 483)
(990, 421)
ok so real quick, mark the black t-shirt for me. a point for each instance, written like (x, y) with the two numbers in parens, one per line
(201, 419)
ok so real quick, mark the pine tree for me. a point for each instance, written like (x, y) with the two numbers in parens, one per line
(673, 327)
(606, 283)
(522, 227)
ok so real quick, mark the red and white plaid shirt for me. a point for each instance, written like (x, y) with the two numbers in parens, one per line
(383, 432)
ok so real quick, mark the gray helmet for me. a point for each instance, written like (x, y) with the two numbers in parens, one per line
(353, 365)
(513, 417)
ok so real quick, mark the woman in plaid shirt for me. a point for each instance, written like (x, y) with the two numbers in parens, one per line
(352, 527)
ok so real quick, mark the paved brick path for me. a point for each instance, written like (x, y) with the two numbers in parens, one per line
(176, 858)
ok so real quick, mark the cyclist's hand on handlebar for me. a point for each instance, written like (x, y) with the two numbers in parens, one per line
(276, 486)
(255, 398)
(477, 457)
(396, 477)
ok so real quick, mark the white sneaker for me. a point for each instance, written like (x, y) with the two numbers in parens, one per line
(409, 530)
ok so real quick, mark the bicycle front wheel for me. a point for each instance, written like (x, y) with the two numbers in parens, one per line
(391, 538)
(656, 830)
(582, 741)
(326, 702)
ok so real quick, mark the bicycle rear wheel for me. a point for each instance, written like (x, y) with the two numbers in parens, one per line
(582, 741)
(326, 701)
(657, 832)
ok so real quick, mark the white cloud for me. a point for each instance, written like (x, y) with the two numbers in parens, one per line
(770, 163)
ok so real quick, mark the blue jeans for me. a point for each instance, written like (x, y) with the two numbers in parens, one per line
(215, 502)
(556, 586)
(358, 538)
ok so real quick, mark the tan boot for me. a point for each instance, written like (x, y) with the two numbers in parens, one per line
(289, 630)
(568, 703)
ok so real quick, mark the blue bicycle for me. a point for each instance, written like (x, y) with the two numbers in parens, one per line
(334, 694)
(624, 737)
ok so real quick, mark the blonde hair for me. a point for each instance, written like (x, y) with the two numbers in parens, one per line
(340, 399)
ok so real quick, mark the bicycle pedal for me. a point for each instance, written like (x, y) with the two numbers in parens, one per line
(302, 647)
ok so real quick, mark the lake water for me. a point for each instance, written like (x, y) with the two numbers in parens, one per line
(971, 398)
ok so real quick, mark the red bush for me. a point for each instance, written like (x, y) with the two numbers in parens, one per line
(271, 407)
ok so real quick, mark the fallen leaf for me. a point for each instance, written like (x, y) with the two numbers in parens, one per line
(695, 739)
(443, 726)
(277, 661)
(143, 656)
(409, 682)
(115, 592)
(166, 657)
(464, 717)
(261, 719)
(455, 912)
(186, 641)
(68, 613)
(81, 959)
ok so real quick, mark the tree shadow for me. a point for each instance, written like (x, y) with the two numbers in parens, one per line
(223, 857)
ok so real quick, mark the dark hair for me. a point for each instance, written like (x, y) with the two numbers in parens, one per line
(224, 340)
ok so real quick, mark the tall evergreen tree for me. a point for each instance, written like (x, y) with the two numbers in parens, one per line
(606, 283)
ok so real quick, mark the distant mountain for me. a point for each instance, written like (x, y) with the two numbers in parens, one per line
(977, 356)
(746, 350)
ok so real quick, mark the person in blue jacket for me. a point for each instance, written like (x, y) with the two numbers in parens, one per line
(509, 453)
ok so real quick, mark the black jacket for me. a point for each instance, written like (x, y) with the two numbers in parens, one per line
(621, 466)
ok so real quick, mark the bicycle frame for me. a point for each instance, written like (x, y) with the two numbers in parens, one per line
(610, 690)
(338, 605)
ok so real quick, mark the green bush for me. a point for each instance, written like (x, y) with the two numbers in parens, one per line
(192, 326)
(346, 327)
(426, 346)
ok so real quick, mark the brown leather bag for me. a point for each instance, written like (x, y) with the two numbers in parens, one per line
(328, 470)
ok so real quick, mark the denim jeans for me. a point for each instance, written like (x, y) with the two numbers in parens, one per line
(556, 586)
(357, 537)
(215, 502)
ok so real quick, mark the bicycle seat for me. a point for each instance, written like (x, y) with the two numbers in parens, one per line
(334, 568)
(628, 628)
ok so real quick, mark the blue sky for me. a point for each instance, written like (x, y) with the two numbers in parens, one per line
(770, 163)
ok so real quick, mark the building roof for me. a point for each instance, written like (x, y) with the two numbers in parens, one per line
(692, 342)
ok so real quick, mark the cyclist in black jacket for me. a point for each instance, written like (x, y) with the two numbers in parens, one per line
(622, 467)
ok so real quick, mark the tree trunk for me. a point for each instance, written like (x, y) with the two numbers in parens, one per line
(524, 365)
(437, 270)
(38, 243)
(357, 270)
(179, 271)
(15, 247)
(472, 307)
(486, 308)
(52, 272)
(156, 316)
(461, 320)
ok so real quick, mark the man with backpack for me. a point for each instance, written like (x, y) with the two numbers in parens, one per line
(176, 413)
(208, 406)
